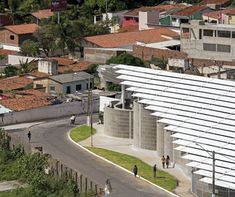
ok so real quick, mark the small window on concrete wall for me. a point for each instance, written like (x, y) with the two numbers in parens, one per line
(223, 48)
(12, 37)
(78, 87)
(52, 88)
(207, 32)
(209, 47)
(224, 34)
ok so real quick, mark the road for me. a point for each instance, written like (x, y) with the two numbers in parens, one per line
(53, 137)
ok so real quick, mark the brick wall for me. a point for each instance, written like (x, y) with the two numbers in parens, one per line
(5, 37)
(147, 53)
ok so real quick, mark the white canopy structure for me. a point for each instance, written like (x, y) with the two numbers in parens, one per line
(199, 111)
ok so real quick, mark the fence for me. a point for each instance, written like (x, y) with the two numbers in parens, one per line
(57, 168)
(47, 112)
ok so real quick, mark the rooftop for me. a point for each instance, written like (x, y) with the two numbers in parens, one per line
(216, 2)
(63, 61)
(188, 11)
(131, 38)
(160, 8)
(76, 67)
(22, 29)
(7, 52)
(217, 14)
(43, 14)
(14, 83)
(163, 45)
(25, 100)
(70, 77)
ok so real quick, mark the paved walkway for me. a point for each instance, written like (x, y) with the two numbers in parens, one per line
(125, 146)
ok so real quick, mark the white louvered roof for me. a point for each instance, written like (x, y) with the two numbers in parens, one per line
(199, 111)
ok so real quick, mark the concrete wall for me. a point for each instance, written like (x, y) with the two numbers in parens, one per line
(144, 127)
(8, 37)
(16, 59)
(118, 122)
(49, 67)
(160, 138)
(149, 17)
(52, 111)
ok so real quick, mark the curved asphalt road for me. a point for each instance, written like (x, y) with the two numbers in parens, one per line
(53, 137)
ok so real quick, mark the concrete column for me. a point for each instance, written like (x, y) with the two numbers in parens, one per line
(168, 145)
(123, 96)
(160, 138)
(136, 133)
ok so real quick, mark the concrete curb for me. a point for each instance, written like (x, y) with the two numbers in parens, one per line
(70, 139)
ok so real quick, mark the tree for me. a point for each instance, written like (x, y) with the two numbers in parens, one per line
(46, 39)
(10, 71)
(161, 63)
(26, 67)
(126, 58)
(30, 48)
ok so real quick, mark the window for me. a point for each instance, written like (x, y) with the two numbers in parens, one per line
(68, 90)
(233, 34)
(223, 48)
(173, 19)
(208, 32)
(52, 88)
(200, 34)
(78, 87)
(39, 86)
(224, 34)
(209, 47)
(12, 37)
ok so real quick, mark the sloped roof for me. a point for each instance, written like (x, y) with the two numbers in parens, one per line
(216, 2)
(130, 38)
(43, 14)
(160, 8)
(22, 29)
(218, 14)
(189, 10)
(80, 66)
(14, 83)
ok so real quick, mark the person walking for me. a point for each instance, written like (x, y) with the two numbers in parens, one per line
(72, 119)
(167, 161)
(154, 170)
(135, 170)
(29, 136)
(163, 161)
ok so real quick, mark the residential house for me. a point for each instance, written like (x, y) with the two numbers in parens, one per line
(126, 40)
(25, 100)
(189, 13)
(15, 83)
(42, 14)
(115, 17)
(15, 35)
(216, 4)
(65, 83)
(226, 16)
(131, 18)
(208, 41)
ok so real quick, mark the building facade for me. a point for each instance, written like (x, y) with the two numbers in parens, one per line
(208, 41)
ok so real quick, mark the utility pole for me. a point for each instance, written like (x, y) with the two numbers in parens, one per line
(213, 174)
(106, 9)
(90, 110)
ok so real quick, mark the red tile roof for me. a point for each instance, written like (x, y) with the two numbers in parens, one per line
(189, 10)
(130, 38)
(160, 8)
(7, 52)
(216, 2)
(25, 100)
(38, 74)
(63, 61)
(14, 83)
(80, 66)
(130, 28)
(22, 29)
(217, 14)
(43, 14)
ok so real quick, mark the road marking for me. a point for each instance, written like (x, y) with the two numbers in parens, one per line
(70, 139)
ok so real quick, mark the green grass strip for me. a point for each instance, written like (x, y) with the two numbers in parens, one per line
(163, 179)
(81, 133)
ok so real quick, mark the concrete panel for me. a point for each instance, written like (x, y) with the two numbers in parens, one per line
(144, 127)
(117, 122)
(168, 145)
(160, 138)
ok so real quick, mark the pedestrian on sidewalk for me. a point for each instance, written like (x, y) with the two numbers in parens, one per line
(135, 170)
(163, 161)
(29, 136)
(154, 170)
(72, 119)
(167, 161)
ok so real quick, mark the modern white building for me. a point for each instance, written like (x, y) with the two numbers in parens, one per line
(185, 116)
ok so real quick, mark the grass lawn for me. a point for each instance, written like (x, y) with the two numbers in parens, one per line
(81, 133)
(163, 179)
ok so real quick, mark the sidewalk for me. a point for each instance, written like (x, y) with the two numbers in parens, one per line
(125, 146)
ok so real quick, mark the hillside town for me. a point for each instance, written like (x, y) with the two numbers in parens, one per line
(155, 79)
